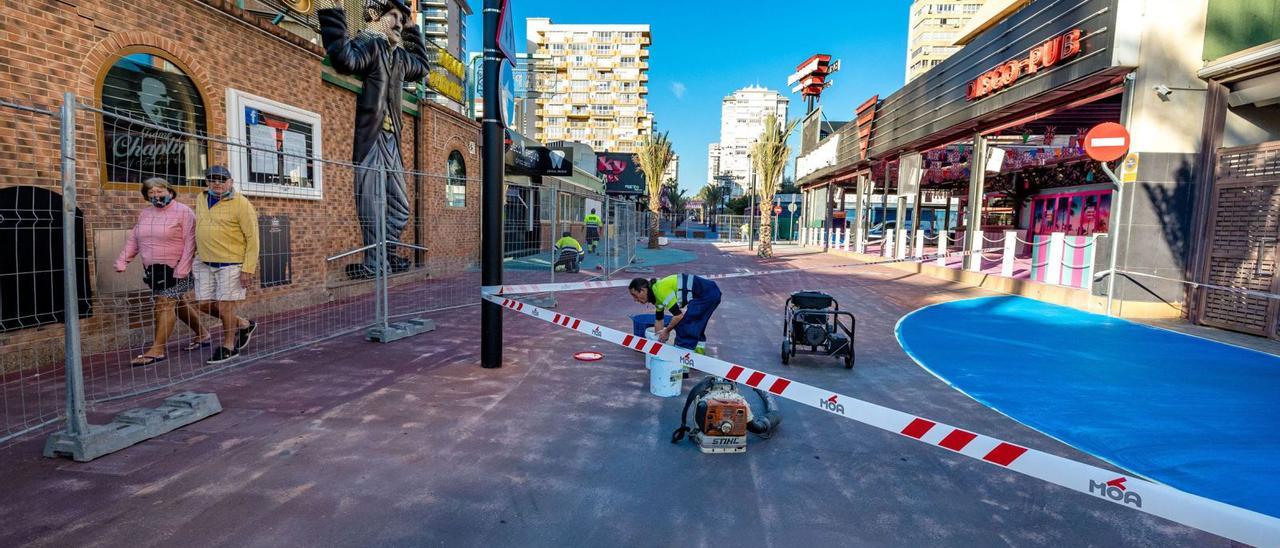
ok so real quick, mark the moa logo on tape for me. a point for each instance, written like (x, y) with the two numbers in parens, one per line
(831, 405)
(535, 313)
(1115, 490)
(596, 331)
(686, 360)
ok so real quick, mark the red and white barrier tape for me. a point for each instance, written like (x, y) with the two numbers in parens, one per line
(1208, 515)
(601, 284)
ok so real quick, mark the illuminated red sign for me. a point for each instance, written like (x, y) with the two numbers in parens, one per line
(1046, 55)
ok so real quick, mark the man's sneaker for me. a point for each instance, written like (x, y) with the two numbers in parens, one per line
(244, 334)
(223, 354)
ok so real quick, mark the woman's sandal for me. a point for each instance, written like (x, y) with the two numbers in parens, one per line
(197, 345)
(143, 360)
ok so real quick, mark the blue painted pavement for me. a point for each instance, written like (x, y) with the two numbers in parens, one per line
(1195, 414)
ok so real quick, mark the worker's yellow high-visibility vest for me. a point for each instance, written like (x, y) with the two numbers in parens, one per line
(568, 241)
(673, 290)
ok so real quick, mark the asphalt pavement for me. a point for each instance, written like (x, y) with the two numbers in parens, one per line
(352, 443)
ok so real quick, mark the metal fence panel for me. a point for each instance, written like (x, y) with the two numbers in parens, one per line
(322, 273)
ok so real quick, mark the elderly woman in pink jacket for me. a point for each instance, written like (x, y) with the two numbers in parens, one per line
(165, 236)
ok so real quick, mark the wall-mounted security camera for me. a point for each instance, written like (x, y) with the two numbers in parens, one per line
(1163, 92)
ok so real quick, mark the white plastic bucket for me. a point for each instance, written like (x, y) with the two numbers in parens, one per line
(665, 377)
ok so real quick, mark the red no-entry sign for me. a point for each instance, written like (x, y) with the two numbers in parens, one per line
(1107, 142)
(777, 210)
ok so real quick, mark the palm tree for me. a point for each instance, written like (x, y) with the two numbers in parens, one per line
(711, 195)
(654, 156)
(769, 157)
(677, 200)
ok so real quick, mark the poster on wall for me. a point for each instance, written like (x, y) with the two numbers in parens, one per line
(620, 173)
(158, 108)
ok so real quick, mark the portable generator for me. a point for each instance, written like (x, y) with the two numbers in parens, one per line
(722, 417)
(813, 319)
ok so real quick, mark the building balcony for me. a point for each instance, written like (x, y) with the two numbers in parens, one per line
(579, 113)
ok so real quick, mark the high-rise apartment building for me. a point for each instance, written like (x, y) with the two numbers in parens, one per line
(932, 31)
(713, 163)
(445, 23)
(741, 122)
(673, 170)
(600, 86)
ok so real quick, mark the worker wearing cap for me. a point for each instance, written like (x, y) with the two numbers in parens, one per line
(691, 301)
(593, 229)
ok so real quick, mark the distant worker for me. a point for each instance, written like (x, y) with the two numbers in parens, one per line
(745, 231)
(691, 301)
(568, 252)
(593, 229)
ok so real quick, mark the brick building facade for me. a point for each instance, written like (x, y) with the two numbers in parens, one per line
(48, 47)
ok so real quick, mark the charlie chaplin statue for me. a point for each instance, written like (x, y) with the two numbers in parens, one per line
(388, 52)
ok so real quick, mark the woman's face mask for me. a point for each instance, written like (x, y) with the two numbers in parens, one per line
(159, 197)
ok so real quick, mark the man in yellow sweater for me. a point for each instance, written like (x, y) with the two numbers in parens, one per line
(226, 259)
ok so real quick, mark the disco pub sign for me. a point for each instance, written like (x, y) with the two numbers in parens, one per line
(1044, 56)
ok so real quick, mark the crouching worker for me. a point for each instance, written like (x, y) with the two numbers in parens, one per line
(568, 252)
(691, 301)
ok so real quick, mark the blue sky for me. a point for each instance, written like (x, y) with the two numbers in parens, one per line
(703, 50)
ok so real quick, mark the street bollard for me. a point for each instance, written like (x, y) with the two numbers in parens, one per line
(1010, 252)
(1053, 270)
(975, 260)
(942, 249)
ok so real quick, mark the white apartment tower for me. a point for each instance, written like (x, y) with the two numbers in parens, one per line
(445, 23)
(932, 31)
(673, 170)
(601, 84)
(713, 163)
(741, 122)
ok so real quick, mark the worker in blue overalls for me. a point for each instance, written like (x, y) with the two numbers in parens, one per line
(691, 301)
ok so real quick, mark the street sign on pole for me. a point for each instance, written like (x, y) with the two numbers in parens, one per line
(508, 101)
(792, 207)
(505, 34)
(1107, 142)
(777, 210)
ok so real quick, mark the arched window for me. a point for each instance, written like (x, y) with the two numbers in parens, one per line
(455, 189)
(154, 113)
(32, 264)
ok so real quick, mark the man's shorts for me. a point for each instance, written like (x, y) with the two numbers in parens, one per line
(217, 283)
